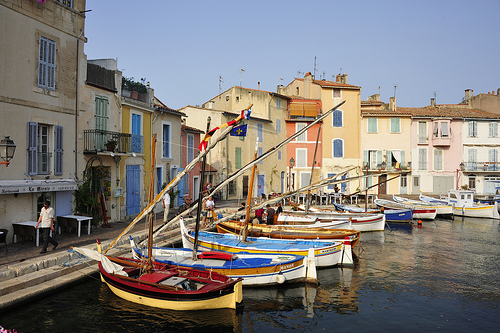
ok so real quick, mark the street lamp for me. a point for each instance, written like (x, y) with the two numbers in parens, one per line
(292, 164)
(7, 150)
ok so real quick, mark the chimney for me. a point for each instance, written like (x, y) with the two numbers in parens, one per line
(258, 85)
(280, 89)
(433, 102)
(498, 92)
(469, 93)
(344, 78)
(308, 80)
(338, 78)
(392, 103)
(210, 105)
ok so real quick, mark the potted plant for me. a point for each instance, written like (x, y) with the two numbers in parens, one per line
(134, 87)
(111, 145)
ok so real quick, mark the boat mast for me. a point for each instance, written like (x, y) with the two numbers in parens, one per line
(249, 198)
(312, 168)
(151, 214)
(200, 199)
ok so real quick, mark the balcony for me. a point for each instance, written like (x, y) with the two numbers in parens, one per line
(100, 141)
(481, 167)
(441, 141)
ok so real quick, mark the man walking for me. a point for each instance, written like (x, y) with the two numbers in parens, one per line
(270, 214)
(47, 220)
(166, 206)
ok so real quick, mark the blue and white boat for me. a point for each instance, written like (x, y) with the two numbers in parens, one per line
(254, 269)
(391, 215)
(326, 253)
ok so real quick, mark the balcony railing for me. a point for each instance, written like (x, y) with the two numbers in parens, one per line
(441, 141)
(105, 141)
(481, 166)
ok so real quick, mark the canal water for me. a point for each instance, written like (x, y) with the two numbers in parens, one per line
(443, 276)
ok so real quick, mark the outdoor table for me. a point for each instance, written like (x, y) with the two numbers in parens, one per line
(80, 219)
(25, 228)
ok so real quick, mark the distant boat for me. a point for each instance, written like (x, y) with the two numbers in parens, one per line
(419, 212)
(442, 209)
(359, 221)
(391, 215)
(464, 205)
(255, 269)
(326, 254)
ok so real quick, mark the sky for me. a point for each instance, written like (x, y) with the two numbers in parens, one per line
(416, 50)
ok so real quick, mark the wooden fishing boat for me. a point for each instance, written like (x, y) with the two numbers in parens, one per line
(359, 221)
(166, 286)
(419, 212)
(391, 215)
(326, 254)
(442, 210)
(288, 232)
(254, 269)
(301, 220)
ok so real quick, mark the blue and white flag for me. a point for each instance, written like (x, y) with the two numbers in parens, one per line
(246, 113)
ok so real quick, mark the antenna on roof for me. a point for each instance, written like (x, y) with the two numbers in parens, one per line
(242, 69)
(395, 87)
(435, 94)
(281, 79)
(298, 73)
(221, 81)
(314, 72)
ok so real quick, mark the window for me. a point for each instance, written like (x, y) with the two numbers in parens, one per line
(237, 159)
(259, 133)
(372, 159)
(473, 129)
(395, 125)
(338, 148)
(101, 121)
(472, 182)
(278, 125)
(416, 181)
(422, 132)
(403, 181)
(330, 186)
(68, 3)
(472, 160)
(336, 93)
(438, 159)
(278, 104)
(190, 148)
(303, 136)
(493, 132)
(422, 158)
(260, 154)
(166, 140)
(301, 157)
(493, 160)
(279, 155)
(40, 149)
(46, 63)
(435, 131)
(337, 118)
(444, 130)
(372, 125)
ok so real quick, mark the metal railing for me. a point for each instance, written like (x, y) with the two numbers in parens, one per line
(101, 141)
(481, 166)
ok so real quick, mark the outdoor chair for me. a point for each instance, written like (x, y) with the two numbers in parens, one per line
(3, 238)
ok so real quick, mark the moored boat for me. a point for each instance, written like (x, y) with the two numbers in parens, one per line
(464, 205)
(288, 232)
(166, 286)
(391, 215)
(254, 269)
(326, 254)
(419, 212)
(442, 210)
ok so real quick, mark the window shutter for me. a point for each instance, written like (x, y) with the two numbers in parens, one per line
(402, 158)
(303, 136)
(278, 125)
(58, 157)
(260, 154)
(337, 118)
(365, 158)
(330, 186)
(337, 148)
(379, 157)
(32, 148)
(237, 162)
(301, 158)
(444, 129)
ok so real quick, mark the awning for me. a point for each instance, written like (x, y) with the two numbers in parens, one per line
(32, 186)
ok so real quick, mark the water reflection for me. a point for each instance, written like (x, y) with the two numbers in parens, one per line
(442, 276)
